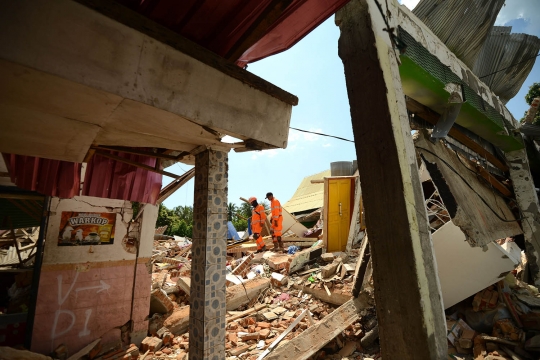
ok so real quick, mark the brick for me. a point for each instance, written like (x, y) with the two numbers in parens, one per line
(278, 262)
(151, 343)
(249, 336)
(233, 338)
(263, 324)
(239, 350)
(167, 338)
(263, 334)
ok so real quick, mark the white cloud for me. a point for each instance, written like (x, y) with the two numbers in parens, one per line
(327, 145)
(528, 10)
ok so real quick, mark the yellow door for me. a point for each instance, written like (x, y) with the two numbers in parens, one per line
(339, 214)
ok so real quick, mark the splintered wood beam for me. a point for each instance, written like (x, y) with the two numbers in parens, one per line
(432, 117)
(259, 27)
(136, 164)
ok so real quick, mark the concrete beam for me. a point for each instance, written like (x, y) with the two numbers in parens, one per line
(69, 66)
(527, 199)
(407, 290)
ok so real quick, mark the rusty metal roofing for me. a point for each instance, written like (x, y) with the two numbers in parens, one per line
(463, 25)
(501, 50)
(225, 27)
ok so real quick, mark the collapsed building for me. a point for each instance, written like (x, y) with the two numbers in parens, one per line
(99, 97)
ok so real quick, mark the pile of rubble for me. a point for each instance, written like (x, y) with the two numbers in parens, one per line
(272, 298)
(499, 322)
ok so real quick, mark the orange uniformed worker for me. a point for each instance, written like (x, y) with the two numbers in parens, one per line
(277, 221)
(258, 218)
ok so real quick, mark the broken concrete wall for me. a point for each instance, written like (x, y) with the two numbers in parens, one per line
(86, 291)
(481, 213)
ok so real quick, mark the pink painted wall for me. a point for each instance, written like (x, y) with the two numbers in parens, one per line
(87, 292)
(76, 307)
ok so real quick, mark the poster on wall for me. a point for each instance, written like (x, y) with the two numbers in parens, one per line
(86, 228)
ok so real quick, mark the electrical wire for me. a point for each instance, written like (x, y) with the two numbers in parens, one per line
(469, 185)
(321, 134)
(508, 67)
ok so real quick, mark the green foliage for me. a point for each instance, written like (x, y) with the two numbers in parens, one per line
(534, 92)
(179, 220)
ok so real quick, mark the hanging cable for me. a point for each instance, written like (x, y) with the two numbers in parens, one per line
(321, 134)
(508, 67)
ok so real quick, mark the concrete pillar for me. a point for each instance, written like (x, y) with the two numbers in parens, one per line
(527, 200)
(407, 291)
(207, 297)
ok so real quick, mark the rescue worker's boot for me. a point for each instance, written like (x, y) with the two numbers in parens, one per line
(276, 245)
(280, 244)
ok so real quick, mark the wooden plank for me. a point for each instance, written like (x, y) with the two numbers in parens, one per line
(316, 336)
(432, 117)
(487, 176)
(139, 22)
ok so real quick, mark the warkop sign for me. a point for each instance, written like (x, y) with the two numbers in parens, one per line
(84, 228)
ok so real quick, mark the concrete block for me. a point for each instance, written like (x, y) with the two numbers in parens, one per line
(178, 322)
(270, 316)
(329, 270)
(328, 257)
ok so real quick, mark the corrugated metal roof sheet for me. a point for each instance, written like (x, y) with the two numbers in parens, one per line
(501, 50)
(45, 176)
(105, 178)
(221, 26)
(463, 25)
(308, 196)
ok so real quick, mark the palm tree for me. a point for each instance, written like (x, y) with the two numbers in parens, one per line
(232, 209)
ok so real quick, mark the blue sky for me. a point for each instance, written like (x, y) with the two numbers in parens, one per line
(313, 71)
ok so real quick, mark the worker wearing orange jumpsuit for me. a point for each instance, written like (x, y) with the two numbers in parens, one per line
(277, 221)
(258, 218)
